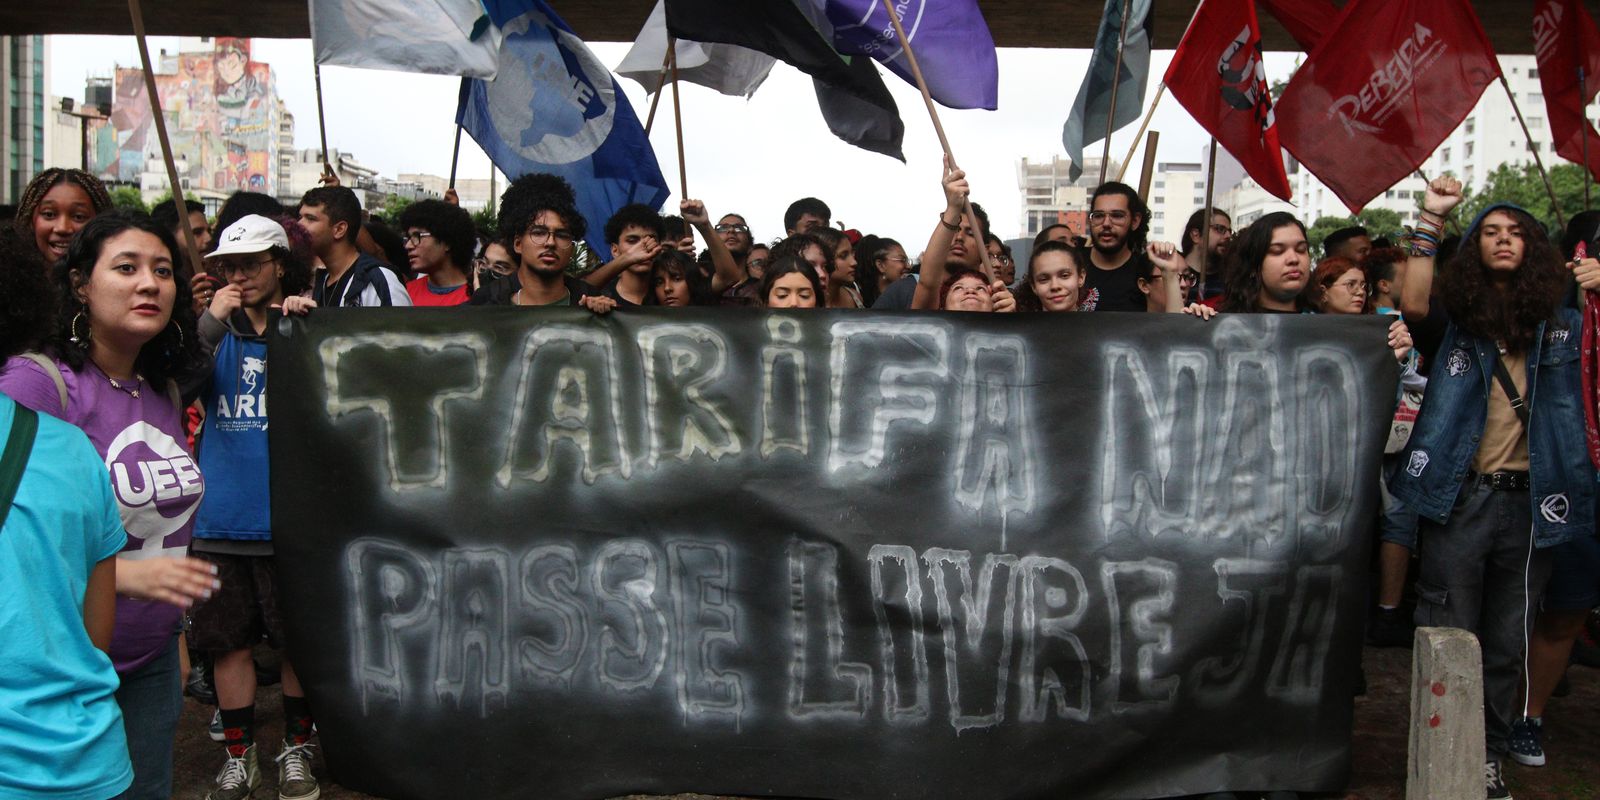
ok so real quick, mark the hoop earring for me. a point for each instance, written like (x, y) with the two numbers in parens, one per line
(81, 341)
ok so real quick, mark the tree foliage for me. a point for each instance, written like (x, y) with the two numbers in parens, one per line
(128, 198)
(1521, 184)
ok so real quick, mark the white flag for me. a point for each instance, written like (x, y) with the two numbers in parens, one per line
(729, 69)
(441, 37)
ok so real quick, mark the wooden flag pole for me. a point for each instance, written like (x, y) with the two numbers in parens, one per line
(455, 155)
(1134, 146)
(1583, 92)
(938, 129)
(179, 202)
(661, 83)
(1549, 188)
(1116, 78)
(322, 122)
(677, 120)
(1150, 142)
(1205, 224)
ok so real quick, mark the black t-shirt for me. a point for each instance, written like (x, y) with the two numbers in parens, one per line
(1116, 289)
(623, 302)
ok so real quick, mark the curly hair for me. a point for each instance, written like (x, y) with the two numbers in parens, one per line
(532, 194)
(297, 259)
(174, 354)
(637, 215)
(1511, 315)
(1329, 270)
(51, 178)
(1027, 296)
(796, 247)
(27, 309)
(451, 223)
(677, 265)
(1246, 254)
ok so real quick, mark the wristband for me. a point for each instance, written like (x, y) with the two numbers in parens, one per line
(954, 226)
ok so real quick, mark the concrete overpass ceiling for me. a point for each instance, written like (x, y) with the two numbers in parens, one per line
(1014, 23)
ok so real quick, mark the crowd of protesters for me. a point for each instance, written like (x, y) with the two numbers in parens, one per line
(142, 382)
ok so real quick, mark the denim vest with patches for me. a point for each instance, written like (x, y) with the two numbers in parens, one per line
(1449, 429)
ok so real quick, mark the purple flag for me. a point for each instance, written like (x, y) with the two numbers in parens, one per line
(950, 38)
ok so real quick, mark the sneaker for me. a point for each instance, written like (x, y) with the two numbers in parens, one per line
(199, 686)
(214, 730)
(1525, 746)
(295, 781)
(238, 778)
(1494, 785)
(1390, 628)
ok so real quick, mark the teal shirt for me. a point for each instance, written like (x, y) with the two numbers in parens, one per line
(61, 732)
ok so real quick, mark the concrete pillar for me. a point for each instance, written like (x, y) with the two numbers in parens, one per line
(1447, 746)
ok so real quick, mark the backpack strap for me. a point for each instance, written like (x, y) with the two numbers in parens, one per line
(14, 459)
(372, 275)
(1503, 376)
(49, 366)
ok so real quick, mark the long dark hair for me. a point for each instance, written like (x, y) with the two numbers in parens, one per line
(677, 264)
(174, 354)
(27, 307)
(1512, 315)
(1027, 297)
(869, 251)
(1246, 253)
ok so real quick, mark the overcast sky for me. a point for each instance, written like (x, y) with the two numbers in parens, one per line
(751, 156)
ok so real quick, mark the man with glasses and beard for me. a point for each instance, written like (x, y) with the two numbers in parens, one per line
(1217, 237)
(540, 224)
(1118, 222)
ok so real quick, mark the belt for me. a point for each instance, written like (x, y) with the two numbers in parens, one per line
(1503, 481)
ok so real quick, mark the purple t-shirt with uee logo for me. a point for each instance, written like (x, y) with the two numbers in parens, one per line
(153, 476)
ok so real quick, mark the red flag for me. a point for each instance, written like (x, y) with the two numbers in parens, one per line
(1218, 76)
(1305, 20)
(1386, 86)
(1566, 40)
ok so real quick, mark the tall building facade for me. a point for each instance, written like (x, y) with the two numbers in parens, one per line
(24, 116)
(1050, 196)
(224, 120)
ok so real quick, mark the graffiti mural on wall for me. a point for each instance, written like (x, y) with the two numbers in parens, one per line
(221, 114)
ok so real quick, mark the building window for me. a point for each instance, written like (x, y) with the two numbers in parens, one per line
(1158, 215)
(1446, 155)
(1535, 123)
(1467, 150)
(1160, 199)
(1389, 194)
(1535, 98)
(1533, 72)
(1472, 124)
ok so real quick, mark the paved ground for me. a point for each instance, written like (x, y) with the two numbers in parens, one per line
(1572, 741)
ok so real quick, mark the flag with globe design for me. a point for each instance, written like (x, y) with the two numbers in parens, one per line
(553, 107)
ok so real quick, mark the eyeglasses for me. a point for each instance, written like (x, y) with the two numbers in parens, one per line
(1353, 286)
(732, 228)
(249, 269)
(756, 262)
(415, 238)
(1002, 258)
(1220, 229)
(540, 235)
(1187, 277)
(1102, 216)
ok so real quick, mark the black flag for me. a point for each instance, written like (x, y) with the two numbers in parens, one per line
(850, 90)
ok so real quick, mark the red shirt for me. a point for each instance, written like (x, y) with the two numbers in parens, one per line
(423, 295)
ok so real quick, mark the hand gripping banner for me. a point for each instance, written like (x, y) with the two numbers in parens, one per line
(826, 554)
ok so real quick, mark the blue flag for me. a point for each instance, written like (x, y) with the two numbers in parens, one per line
(1086, 124)
(950, 39)
(554, 108)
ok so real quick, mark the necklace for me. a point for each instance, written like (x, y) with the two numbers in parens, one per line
(131, 388)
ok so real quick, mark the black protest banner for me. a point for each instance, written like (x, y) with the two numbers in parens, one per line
(822, 554)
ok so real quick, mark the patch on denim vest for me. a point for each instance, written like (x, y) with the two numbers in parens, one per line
(1458, 364)
(1554, 508)
(1419, 462)
(1559, 335)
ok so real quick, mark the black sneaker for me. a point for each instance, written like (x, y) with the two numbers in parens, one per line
(199, 686)
(1525, 745)
(1494, 785)
(1390, 627)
